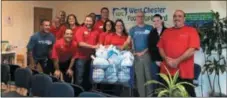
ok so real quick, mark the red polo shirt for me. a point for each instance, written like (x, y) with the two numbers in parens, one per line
(174, 42)
(63, 51)
(99, 25)
(61, 32)
(102, 37)
(54, 30)
(114, 39)
(89, 37)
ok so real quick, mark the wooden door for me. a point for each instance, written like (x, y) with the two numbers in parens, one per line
(40, 14)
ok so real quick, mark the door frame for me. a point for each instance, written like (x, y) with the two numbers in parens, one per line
(35, 7)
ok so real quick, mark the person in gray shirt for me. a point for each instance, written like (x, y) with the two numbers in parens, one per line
(139, 38)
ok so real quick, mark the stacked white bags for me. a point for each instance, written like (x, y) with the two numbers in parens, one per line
(111, 65)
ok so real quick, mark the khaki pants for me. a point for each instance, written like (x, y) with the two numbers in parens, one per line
(142, 69)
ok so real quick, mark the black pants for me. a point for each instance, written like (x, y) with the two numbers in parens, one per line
(47, 65)
(82, 73)
(197, 71)
(63, 66)
(155, 69)
(189, 89)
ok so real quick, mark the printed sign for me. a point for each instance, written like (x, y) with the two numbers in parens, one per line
(198, 19)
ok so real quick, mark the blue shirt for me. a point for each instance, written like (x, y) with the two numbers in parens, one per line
(139, 36)
(40, 45)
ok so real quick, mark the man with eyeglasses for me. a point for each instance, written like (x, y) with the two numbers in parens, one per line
(177, 46)
(139, 38)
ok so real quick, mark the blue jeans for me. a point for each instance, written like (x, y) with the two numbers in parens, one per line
(82, 73)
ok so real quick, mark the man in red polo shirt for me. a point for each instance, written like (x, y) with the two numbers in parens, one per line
(177, 46)
(104, 16)
(63, 54)
(87, 38)
(62, 15)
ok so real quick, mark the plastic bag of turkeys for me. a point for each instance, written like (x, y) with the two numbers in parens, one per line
(98, 75)
(100, 62)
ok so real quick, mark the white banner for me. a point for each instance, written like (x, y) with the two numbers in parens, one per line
(128, 14)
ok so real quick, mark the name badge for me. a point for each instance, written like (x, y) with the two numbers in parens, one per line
(85, 32)
(146, 31)
(183, 35)
(100, 27)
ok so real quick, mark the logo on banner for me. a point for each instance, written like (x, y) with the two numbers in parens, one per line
(119, 13)
(128, 14)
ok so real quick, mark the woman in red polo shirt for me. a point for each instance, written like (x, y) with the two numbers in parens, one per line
(72, 23)
(119, 37)
(108, 28)
(63, 54)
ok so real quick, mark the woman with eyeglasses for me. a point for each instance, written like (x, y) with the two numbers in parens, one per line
(108, 29)
(118, 39)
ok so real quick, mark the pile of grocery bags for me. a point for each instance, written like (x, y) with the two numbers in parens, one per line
(110, 65)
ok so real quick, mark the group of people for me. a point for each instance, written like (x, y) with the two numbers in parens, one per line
(63, 47)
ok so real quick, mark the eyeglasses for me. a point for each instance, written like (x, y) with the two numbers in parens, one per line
(178, 16)
(104, 12)
(119, 25)
(140, 16)
(108, 25)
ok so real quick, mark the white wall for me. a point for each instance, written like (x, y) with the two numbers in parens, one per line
(219, 6)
